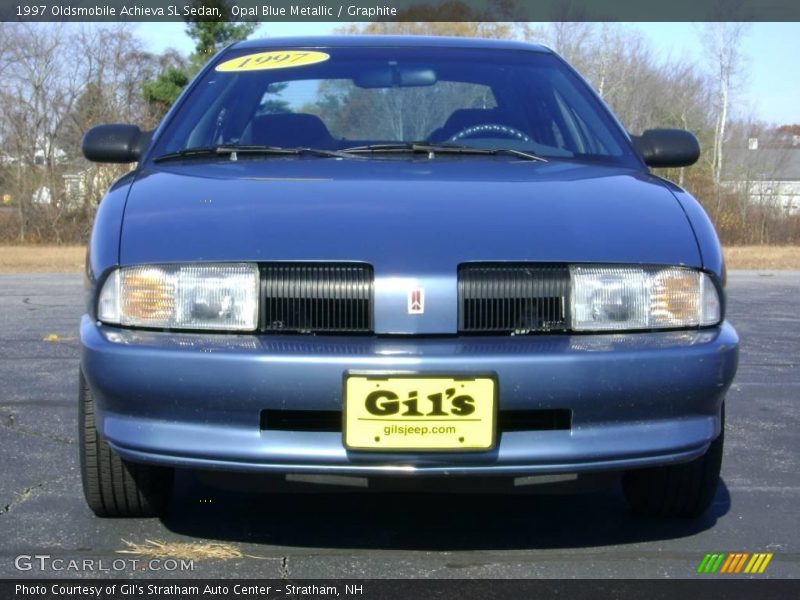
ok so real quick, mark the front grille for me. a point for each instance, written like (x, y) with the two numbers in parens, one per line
(513, 298)
(317, 298)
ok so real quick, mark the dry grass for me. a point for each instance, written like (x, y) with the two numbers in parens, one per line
(64, 259)
(42, 259)
(185, 551)
(763, 257)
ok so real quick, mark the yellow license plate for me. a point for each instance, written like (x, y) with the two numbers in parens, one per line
(419, 413)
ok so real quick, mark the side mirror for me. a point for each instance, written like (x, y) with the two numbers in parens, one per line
(667, 147)
(115, 143)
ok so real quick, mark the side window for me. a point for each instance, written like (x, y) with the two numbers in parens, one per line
(582, 123)
(572, 130)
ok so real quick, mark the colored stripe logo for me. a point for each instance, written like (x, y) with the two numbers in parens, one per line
(732, 563)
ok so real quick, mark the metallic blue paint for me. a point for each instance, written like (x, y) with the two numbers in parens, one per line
(403, 216)
(195, 400)
(103, 252)
(408, 218)
(707, 241)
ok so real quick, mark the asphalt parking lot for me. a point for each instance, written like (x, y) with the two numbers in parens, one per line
(357, 534)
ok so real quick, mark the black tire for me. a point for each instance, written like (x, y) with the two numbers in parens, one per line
(682, 490)
(114, 487)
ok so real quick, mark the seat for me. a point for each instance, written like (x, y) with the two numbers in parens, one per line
(291, 130)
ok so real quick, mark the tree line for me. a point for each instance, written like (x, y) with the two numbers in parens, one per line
(61, 79)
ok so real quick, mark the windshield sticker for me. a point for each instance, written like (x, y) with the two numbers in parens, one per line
(280, 59)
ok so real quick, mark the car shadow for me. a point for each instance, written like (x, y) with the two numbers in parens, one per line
(421, 521)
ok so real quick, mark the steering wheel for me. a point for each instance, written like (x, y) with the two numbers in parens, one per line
(489, 128)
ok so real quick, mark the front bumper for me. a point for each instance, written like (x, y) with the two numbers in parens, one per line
(195, 400)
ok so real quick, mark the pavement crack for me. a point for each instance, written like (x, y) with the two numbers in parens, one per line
(28, 493)
(9, 421)
(284, 569)
(21, 498)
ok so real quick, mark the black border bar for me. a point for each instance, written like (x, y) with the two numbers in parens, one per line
(721, 588)
(400, 10)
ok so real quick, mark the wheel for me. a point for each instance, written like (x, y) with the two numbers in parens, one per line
(682, 490)
(114, 487)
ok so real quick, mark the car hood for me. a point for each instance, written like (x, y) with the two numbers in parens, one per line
(402, 216)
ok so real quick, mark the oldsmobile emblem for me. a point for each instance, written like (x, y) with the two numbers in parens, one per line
(416, 301)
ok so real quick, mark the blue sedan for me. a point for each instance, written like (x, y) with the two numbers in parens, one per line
(400, 257)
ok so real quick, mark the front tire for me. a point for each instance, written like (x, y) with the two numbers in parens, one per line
(682, 490)
(112, 486)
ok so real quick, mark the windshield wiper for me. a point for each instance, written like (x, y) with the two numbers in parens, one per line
(278, 150)
(433, 149)
(233, 152)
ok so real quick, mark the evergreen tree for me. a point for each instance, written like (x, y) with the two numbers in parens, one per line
(210, 36)
(161, 92)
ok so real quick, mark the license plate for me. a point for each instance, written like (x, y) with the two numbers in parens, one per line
(419, 413)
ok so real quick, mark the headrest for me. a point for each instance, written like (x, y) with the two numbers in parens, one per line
(290, 130)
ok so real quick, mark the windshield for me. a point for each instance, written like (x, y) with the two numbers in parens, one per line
(342, 98)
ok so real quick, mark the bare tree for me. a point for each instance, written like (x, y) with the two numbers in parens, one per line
(723, 45)
(38, 93)
(569, 38)
(115, 67)
(59, 80)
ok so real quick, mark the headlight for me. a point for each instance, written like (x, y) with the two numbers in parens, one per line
(207, 296)
(607, 298)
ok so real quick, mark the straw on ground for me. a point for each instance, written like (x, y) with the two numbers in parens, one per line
(185, 550)
(66, 259)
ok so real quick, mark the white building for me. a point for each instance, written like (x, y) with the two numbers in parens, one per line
(769, 176)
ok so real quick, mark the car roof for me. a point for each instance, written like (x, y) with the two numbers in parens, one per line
(401, 41)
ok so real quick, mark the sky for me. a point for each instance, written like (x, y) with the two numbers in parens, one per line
(769, 86)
